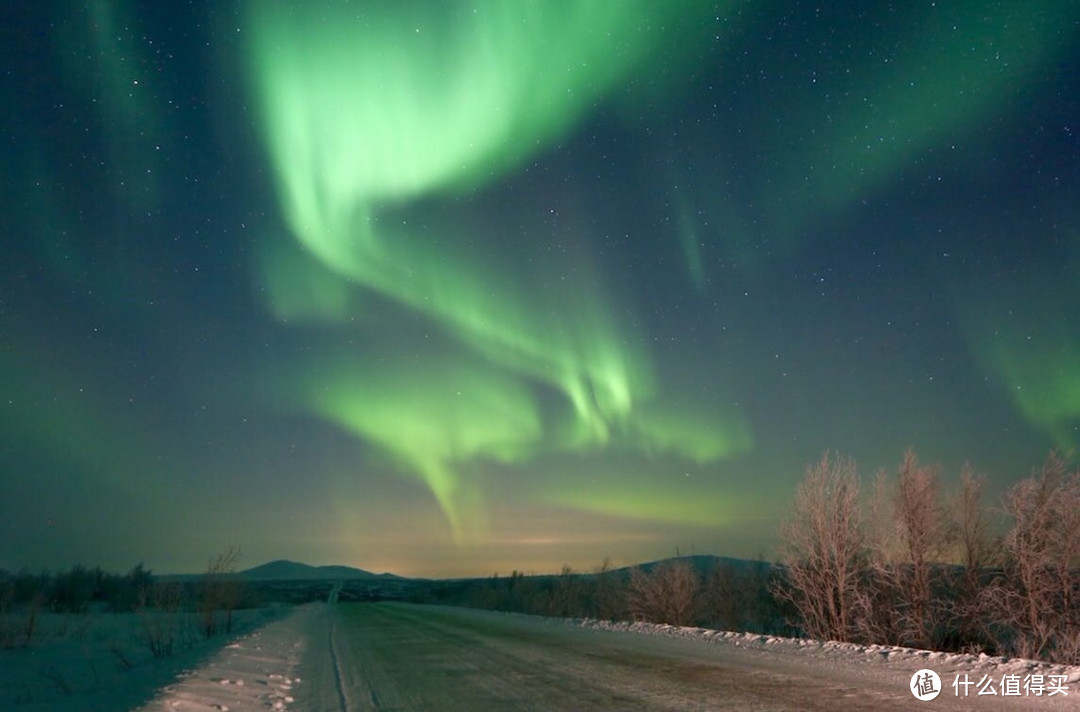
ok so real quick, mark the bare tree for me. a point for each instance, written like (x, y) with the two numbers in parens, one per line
(972, 525)
(878, 594)
(608, 598)
(822, 549)
(1035, 603)
(667, 594)
(925, 529)
(563, 599)
(913, 538)
(973, 551)
(723, 597)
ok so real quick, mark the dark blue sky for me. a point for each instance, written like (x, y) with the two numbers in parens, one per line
(454, 288)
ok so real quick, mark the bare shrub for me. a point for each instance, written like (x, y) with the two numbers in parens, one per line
(7, 619)
(221, 591)
(122, 656)
(1035, 602)
(18, 623)
(58, 678)
(822, 550)
(30, 618)
(158, 611)
(667, 594)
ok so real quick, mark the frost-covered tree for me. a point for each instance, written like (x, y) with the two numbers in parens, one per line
(822, 548)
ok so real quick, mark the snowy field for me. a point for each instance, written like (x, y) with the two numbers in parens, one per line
(346, 657)
(102, 661)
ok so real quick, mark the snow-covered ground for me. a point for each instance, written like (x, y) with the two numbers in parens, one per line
(346, 657)
(102, 662)
(254, 672)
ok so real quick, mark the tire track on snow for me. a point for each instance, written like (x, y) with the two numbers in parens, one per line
(343, 700)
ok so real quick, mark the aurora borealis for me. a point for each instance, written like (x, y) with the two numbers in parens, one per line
(449, 288)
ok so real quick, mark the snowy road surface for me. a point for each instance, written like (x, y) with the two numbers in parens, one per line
(392, 656)
(402, 657)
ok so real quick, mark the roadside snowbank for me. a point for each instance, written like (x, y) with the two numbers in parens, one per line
(975, 666)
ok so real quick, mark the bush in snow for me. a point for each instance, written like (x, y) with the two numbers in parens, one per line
(160, 618)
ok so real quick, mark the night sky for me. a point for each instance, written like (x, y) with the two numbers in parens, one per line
(453, 288)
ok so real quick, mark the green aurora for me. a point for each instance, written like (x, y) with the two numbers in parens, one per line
(364, 112)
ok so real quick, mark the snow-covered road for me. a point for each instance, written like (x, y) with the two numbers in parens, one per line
(402, 657)
(393, 656)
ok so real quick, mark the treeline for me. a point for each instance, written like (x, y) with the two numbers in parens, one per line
(907, 563)
(706, 591)
(76, 590)
(170, 610)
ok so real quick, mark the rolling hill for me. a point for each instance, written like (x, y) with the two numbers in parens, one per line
(282, 570)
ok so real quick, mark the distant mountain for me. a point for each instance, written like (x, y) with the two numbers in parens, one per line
(703, 564)
(282, 570)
